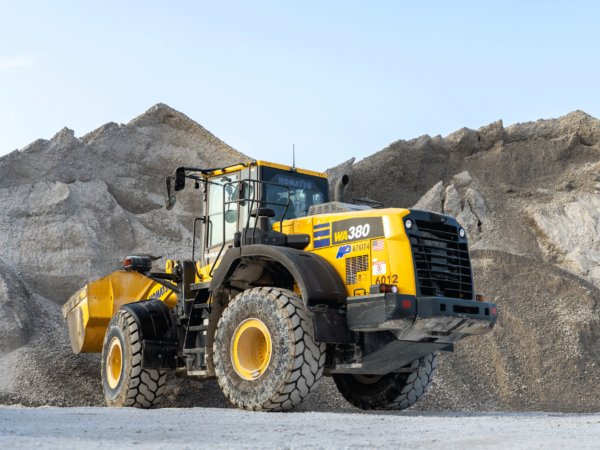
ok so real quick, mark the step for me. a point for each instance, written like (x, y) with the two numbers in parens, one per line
(188, 351)
(198, 328)
(411, 369)
(202, 305)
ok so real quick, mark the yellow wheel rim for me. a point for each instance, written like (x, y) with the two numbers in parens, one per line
(251, 349)
(114, 362)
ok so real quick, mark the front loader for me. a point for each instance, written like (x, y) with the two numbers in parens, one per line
(287, 287)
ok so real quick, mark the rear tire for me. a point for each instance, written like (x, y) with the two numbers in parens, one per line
(124, 382)
(264, 353)
(393, 391)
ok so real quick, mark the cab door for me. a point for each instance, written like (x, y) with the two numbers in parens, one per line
(221, 220)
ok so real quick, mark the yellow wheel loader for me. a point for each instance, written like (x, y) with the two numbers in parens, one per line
(288, 287)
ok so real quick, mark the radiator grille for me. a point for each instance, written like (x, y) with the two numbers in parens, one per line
(354, 265)
(442, 261)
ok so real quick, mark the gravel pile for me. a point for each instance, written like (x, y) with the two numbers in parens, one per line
(528, 196)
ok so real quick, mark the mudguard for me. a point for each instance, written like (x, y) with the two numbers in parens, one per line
(318, 281)
(158, 333)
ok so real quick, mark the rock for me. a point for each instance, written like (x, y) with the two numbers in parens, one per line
(432, 200)
(468, 220)
(566, 186)
(85, 234)
(15, 310)
(586, 126)
(567, 230)
(405, 170)
(452, 202)
(462, 180)
(490, 135)
(477, 203)
(65, 135)
(464, 140)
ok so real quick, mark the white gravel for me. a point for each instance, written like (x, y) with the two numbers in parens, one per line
(206, 428)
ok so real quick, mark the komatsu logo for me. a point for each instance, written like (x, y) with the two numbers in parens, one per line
(158, 294)
(302, 184)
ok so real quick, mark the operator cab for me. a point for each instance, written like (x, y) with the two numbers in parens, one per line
(274, 186)
(231, 193)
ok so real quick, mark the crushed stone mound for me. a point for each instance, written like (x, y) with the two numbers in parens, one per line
(528, 196)
(77, 206)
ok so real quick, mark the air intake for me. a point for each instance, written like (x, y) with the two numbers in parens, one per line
(354, 265)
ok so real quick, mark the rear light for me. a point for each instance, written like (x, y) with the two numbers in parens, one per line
(493, 311)
(388, 288)
(478, 298)
(127, 262)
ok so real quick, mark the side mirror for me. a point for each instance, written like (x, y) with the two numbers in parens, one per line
(179, 179)
(171, 203)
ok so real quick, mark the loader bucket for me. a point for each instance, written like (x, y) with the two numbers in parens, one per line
(89, 310)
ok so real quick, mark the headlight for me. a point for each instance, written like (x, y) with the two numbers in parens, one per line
(408, 224)
(461, 232)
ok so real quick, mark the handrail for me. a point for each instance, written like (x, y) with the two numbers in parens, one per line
(201, 219)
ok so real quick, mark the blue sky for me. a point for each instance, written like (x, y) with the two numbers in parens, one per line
(336, 78)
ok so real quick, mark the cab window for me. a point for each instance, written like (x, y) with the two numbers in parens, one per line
(304, 192)
(218, 186)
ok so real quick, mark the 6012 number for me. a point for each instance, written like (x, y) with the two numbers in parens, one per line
(389, 279)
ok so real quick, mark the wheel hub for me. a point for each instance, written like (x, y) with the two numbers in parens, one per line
(114, 363)
(251, 349)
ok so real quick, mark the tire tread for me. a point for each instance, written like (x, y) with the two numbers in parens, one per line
(146, 387)
(309, 358)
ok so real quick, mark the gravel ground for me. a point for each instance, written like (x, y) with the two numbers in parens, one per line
(195, 428)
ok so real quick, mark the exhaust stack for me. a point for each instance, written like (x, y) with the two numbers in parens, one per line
(340, 187)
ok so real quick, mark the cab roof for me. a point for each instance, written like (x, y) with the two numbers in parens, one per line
(239, 166)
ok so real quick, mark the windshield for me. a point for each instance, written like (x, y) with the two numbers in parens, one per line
(304, 191)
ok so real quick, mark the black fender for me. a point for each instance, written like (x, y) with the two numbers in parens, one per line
(318, 281)
(158, 333)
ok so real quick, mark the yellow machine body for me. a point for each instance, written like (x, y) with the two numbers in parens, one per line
(389, 262)
(360, 263)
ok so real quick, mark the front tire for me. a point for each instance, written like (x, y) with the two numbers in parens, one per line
(393, 391)
(124, 382)
(264, 353)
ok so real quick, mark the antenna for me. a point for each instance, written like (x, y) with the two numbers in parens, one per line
(294, 156)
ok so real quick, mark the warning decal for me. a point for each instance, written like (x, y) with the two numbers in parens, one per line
(379, 267)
